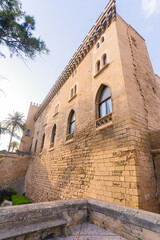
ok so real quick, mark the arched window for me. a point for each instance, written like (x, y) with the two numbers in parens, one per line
(53, 136)
(71, 92)
(102, 39)
(42, 144)
(98, 66)
(97, 46)
(105, 102)
(28, 132)
(75, 89)
(35, 147)
(56, 108)
(71, 122)
(104, 59)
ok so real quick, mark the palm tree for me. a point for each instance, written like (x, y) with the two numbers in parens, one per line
(14, 145)
(2, 129)
(14, 123)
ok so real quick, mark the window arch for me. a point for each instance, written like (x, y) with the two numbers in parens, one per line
(97, 46)
(75, 89)
(71, 122)
(104, 59)
(102, 39)
(71, 92)
(98, 66)
(53, 136)
(103, 102)
(42, 144)
(56, 109)
(28, 132)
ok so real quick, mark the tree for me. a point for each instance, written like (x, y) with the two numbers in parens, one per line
(14, 145)
(16, 29)
(14, 123)
(3, 129)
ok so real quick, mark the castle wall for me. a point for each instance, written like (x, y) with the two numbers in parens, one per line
(12, 168)
(112, 162)
(144, 107)
(26, 141)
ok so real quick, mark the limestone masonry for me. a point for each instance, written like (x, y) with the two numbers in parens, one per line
(91, 136)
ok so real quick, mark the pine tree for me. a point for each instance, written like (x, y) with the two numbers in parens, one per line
(16, 31)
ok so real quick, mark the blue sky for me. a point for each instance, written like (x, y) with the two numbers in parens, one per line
(63, 25)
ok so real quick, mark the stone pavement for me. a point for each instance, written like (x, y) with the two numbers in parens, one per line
(87, 231)
(18, 185)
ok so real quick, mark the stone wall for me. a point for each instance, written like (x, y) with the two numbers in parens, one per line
(12, 168)
(144, 110)
(155, 150)
(112, 162)
(127, 222)
(26, 141)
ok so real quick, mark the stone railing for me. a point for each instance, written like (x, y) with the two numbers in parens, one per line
(52, 217)
(104, 120)
(69, 137)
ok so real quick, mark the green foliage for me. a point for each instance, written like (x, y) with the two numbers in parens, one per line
(14, 145)
(19, 199)
(12, 190)
(139, 238)
(16, 29)
(3, 129)
(6, 194)
(3, 151)
(14, 123)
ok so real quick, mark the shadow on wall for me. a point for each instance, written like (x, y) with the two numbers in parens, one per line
(12, 168)
(62, 173)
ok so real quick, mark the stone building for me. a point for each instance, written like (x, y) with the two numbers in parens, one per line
(92, 132)
(26, 141)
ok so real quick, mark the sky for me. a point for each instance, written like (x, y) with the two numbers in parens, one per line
(63, 25)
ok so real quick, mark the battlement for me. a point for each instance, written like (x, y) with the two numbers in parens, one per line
(96, 31)
(34, 104)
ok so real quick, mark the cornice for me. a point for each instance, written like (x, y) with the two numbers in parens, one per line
(96, 31)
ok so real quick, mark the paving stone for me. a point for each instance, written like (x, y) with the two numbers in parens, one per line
(88, 231)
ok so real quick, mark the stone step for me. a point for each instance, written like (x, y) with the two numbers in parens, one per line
(24, 230)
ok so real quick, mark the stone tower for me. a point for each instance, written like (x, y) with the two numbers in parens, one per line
(91, 135)
(26, 141)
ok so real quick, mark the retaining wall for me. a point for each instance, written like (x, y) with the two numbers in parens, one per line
(12, 168)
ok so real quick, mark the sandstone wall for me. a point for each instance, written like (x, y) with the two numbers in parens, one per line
(12, 167)
(26, 141)
(155, 150)
(110, 163)
(144, 110)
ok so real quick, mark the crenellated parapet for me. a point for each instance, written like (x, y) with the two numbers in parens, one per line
(34, 104)
(95, 33)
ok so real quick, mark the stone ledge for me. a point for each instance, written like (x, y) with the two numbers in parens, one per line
(126, 221)
(144, 219)
(12, 233)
